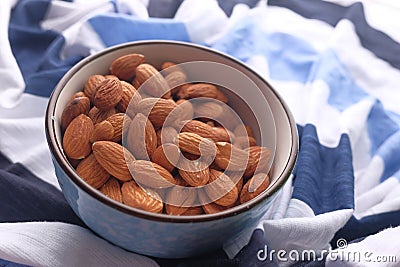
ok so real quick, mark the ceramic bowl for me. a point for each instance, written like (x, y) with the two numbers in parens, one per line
(161, 235)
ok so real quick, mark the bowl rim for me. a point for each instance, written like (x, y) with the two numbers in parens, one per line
(58, 155)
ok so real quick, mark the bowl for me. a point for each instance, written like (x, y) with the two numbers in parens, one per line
(162, 235)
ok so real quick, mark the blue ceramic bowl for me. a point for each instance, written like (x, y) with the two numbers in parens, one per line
(162, 235)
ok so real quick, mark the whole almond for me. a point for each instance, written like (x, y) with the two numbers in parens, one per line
(179, 199)
(166, 135)
(75, 107)
(258, 160)
(230, 157)
(200, 128)
(91, 84)
(134, 196)
(157, 110)
(112, 189)
(141, 137)
(130, 98)
(108, 94)
(97, 115)
(114, 158)
(151, 174)
(254, 186)
(92, 172)
(157, 86)
(221, 189)
(202, 90)
(76, 140)
(167, 156)
(194, 172)
(195, 144)
(124, 67)
(103, 131)
(120, 123)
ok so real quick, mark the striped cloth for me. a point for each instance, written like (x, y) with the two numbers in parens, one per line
(337, 65)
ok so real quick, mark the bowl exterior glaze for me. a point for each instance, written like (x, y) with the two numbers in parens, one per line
(163, 235)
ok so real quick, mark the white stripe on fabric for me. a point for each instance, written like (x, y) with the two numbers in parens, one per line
(370, 176)
(381, 249)
(60, 244)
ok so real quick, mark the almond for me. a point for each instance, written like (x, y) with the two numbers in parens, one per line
(108, 94)
(97, 115)
(92, 172)
(220, 189)
(185, 108)
(208, 109)
(167, 156)
(230, 157)
(222, 134)
(103, 131)
(156, 85)
(76, 140)
(202, 90)
(174, 80)
(195, 144)
(130, 98)
(258, 160)
(166, 135)
(244, 141)
(112, 189)
(170, 67)
(141, 138)
(208, 206)
(157, 110)
(91, 84)
(114, 158)
(78, 94)
(120, 123)
(134, 196)
(254, 186)
(200, 128)
(194, 172)
(75, 107)
(191, 211)
(179, 199)
(151, 174)
(124, 67)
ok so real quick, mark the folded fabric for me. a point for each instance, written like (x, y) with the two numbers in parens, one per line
(336, 65)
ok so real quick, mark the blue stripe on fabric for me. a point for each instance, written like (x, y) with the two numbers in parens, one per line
(382, 45)
(343, 91)
(116, 29)
(369, 225)
(389, 151)
(380, 126)
(5, 263)
(289, 57)
(324, 177)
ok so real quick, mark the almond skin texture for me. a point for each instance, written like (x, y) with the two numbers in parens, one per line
(200, 128)
(221, 189)
(97, 115)
(202, 90)
(134, 196)
(125, 67)
(230, 157)
(178, 200)
(103, 131)
(167, 156)
(130, 98)
(209, 207)
(191, 143)
(77, 106)
(193, 211)
(222, 134)
(185, 108)
(114, 158)
(112, 189)
(258, 160)
(120, 123)
(157, 86)
(194, 172)
(92, 172)
(76, 140)
(254, 186)
(151, 174)
(108, 94)
(141, 138)
(157, 110)
(91, 84)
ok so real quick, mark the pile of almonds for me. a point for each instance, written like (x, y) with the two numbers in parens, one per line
(150, 147)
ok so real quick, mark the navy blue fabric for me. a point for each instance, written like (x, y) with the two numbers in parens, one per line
(382, 45)
(328, 185)
(4, 263)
